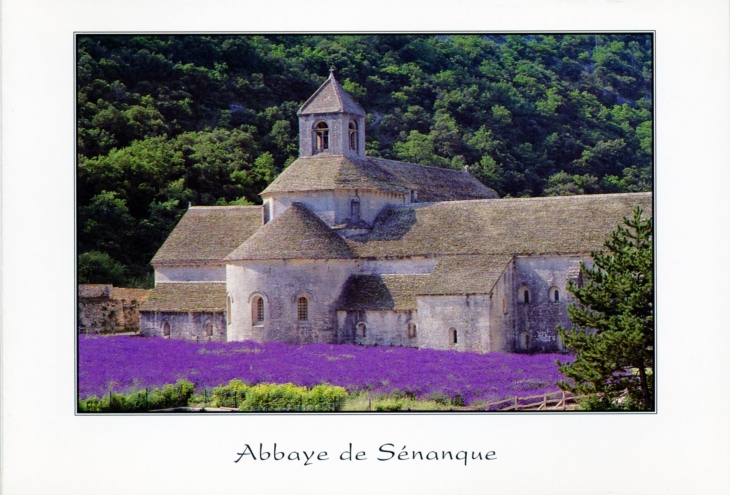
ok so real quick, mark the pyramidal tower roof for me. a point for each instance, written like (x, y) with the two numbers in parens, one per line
(331, 98)
(296, 233)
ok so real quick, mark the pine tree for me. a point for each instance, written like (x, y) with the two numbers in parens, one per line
(613, 322)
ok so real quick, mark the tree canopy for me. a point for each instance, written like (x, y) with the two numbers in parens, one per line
(164, 121)
(613, 322)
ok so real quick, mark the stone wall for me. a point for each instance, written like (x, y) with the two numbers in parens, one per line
(333, 207)
(338, 130)
(108, 309)
(386, 328)
(501, 336)
(535, 329)
(280, 284)
(202, 272)
(440, 316)
(196, 326)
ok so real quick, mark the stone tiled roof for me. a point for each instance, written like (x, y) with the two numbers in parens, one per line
(381, 292)
(296, 233)
(190, 296)
(333, 172)
(209, 233)
(468, 274)
(556, 225)
(331, 98)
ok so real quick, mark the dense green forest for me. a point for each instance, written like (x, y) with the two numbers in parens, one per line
(164, 121)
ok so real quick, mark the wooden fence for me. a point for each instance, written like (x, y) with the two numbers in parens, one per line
(555, 401)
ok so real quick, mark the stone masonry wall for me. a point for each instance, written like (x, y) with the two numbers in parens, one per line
(536, 320)
(334, 207)
(467, 315)
(108, 309)
(338, 127)
(280, 284)
(194, 326)
(386, 328)
(501, 336)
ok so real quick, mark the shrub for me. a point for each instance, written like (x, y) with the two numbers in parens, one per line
(279, 397)
(274, 397)
(393, 405)
(99, 268)
(177, 395)
(231, 395)
(325, 397)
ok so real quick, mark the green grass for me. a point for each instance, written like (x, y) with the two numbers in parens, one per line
(364, 401)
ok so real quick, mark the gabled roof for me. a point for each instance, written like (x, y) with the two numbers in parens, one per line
(331, 98)
(188, 296)
(334, 172)
(209, 233)
(534, 226)
(467, 274)
(381, 292)
(296, 233)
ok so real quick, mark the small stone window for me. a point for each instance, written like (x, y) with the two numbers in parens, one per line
(453, 336)
(266, 212)
(166, 330)
(525, 341)
(412, 330)
(302, 309)
(361, 329)
(257, 310)
(229, 303)
(355, 210)
(554, 294)
(208, 328)
(353, 136)
(505, 307)
(524, 295)
(321, 137)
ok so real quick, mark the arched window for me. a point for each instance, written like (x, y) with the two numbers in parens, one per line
(321, 137)
(353, 136)
(355, 209)
(166, 330)
(229, 303)
(554, 294)
(453, 337)
(361, 329)
(412, 330)
(524, 295)
(257, 310)
(302, 309)
(525, 341)
(208, 328)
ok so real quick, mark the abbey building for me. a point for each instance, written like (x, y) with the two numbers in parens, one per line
(352, 249)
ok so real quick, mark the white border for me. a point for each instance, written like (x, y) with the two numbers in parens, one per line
(682, 449)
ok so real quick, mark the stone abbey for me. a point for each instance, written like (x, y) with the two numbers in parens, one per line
(348, 248)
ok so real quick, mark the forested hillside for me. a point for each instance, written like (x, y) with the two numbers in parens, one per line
(164, 121)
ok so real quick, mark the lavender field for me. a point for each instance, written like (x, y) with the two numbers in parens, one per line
(126, 363)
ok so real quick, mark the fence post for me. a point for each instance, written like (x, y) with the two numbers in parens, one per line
(146, 402)
(515, 403)
(563, 400)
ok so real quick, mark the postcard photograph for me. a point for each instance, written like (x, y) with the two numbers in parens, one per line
(413, 247)
(373, 223)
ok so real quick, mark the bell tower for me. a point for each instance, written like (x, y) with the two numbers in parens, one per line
(331, 122)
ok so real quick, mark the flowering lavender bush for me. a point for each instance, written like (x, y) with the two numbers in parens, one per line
(128, 363)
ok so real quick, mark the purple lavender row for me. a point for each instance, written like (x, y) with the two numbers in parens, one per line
(128, 363)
